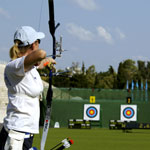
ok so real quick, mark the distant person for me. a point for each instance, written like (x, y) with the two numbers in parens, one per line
(24, 88)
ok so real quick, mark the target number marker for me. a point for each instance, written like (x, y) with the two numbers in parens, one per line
(92, 99)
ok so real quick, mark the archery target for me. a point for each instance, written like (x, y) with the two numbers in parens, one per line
(128, 113)
(91, 112)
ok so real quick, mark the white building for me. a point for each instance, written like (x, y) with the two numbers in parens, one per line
(3, 94)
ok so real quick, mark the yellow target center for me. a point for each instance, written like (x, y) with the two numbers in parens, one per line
(91, 112)
(128, 112)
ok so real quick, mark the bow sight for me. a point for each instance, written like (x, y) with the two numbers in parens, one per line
(58, 47)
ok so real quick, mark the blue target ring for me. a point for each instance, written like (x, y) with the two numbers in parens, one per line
(91, 112)
(128, 112)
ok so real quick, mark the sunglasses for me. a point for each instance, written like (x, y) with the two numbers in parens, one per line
(39, 41)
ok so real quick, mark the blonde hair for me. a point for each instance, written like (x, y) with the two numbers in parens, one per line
(16, 51)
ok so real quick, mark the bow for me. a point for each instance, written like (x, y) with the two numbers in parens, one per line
(52, 29)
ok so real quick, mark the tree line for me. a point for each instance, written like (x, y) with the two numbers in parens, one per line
(128, 70)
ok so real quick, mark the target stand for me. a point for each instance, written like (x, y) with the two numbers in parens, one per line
(79, 124)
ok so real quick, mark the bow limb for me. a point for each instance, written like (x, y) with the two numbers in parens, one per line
(52, 26)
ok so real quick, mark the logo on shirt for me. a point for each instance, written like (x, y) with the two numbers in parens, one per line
(7, 80)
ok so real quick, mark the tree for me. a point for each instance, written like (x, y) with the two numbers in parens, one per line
(148, 70)
(126, 71)
(83, 68)
(141, 69)
(106, 79)
(90, 76)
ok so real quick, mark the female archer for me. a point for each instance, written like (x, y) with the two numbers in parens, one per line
(24, 88)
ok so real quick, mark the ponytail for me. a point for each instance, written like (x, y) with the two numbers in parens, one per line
(16, 51)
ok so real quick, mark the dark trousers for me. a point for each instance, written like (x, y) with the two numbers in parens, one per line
(3, 137)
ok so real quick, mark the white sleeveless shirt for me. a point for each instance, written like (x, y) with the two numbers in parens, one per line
(24, 88)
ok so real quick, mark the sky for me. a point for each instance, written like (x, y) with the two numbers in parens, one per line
(96, 32)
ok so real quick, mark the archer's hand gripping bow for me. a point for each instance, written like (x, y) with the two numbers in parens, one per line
(49, 96)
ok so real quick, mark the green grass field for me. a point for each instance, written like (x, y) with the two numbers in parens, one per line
(98, 139)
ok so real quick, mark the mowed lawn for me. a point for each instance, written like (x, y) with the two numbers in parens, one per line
(97, 139)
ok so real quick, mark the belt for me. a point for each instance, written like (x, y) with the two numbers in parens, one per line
(27, 135)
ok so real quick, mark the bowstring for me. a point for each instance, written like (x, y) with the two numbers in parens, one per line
(39, 25)
(40, 16)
